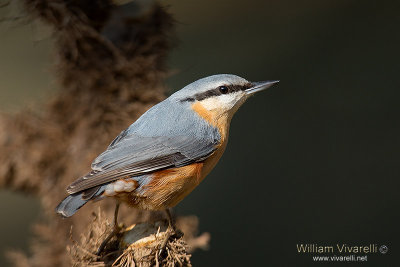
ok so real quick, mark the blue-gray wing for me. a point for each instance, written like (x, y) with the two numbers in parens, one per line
(167, 135)
(133, 155)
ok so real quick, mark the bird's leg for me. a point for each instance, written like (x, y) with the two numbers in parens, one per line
(168, 232)
(116, 215)
(114, 232)
(171, 230)
(171, 223)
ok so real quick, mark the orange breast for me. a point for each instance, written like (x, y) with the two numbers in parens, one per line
(221, 121)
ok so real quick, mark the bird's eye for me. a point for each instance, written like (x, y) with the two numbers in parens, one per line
(223, 89)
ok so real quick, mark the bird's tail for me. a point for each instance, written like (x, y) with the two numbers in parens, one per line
(74, 202)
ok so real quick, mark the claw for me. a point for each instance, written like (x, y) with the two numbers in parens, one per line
(115, 231)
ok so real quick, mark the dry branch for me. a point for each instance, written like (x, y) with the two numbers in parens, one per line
(111, 66)
(137, 245)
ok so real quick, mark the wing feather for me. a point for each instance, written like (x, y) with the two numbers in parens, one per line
(134, 155)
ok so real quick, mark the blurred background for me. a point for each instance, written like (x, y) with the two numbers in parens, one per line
(314, 160)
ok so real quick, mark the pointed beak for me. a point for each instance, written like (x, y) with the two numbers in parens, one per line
(259, 86)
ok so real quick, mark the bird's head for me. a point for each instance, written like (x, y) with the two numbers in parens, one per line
(220, 94)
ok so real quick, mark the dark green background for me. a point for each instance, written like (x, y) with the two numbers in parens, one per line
(312, 160)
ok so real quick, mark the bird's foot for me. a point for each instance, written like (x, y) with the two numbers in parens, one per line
(171, 232)
(103, 244)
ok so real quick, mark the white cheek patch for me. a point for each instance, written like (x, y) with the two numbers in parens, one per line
(222, 102)
(229, 100)
(210, 103)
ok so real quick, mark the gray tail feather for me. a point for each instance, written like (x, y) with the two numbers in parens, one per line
(74, 202)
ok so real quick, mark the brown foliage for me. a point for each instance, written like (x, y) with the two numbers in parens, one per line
(110, 64)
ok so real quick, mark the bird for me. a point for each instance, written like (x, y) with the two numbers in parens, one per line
(160, 158)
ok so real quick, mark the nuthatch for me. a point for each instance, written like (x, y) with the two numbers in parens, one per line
(167, 152)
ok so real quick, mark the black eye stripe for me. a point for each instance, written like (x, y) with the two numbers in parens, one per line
(217, 92)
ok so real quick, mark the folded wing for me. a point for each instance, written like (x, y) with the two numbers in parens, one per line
(134, 155)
